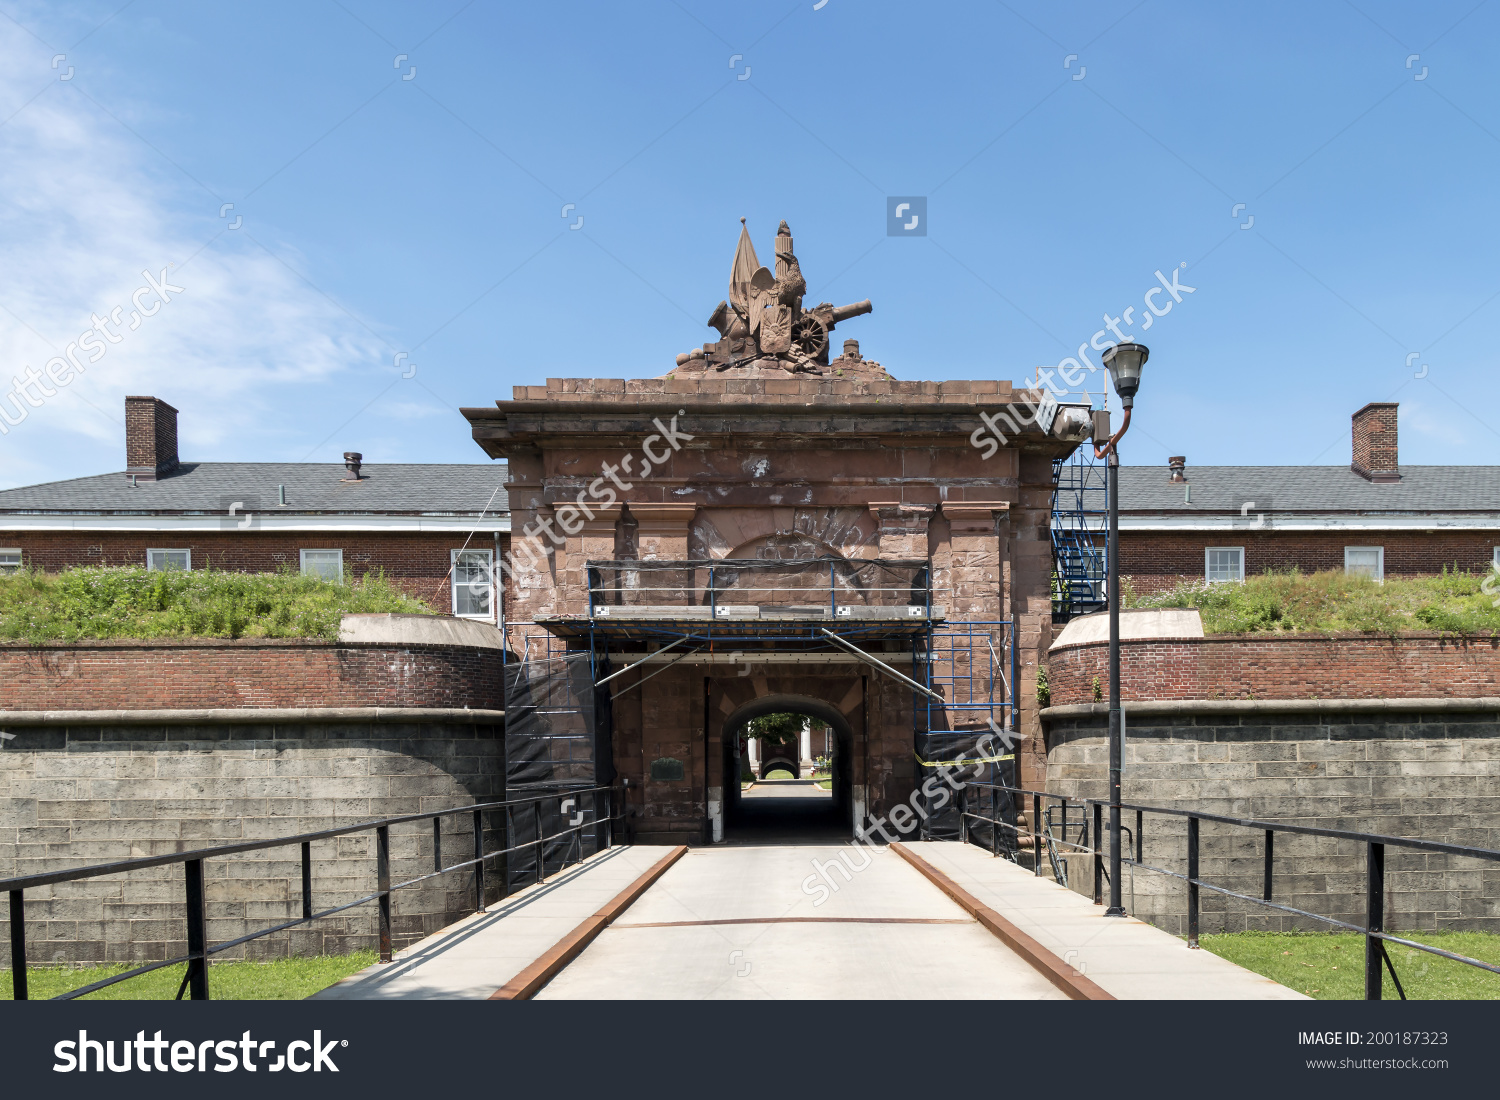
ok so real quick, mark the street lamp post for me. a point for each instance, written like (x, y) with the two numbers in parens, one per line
(1124, 362)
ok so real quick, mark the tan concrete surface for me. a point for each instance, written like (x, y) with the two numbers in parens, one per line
(863, 956)
(1127, 957)
(474, 957)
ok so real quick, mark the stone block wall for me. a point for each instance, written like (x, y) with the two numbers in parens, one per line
(1430, 774)
(73, 794)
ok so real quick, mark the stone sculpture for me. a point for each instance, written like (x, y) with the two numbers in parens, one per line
(762, 324)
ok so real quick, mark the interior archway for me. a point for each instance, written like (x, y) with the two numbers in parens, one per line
(788, 810)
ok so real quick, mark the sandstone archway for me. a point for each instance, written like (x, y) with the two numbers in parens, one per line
(776, 702)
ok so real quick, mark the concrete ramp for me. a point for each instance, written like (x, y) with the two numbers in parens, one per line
(750, 923)
(1128, 958)
(474, 958)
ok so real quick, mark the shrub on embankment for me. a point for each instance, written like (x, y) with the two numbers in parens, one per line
(1291, 602)
(101, 602)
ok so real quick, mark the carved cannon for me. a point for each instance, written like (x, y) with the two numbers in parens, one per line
(766, 319)
(810, 331)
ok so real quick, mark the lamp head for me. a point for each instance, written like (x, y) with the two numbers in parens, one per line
(1125, 362)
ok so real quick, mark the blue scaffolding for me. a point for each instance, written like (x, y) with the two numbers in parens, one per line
(1080, 535)
(964, 672)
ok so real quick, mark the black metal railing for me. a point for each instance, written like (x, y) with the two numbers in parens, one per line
(1373, 928)
(606, 807)
(1043, 839)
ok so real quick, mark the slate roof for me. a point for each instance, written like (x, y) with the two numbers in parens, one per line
(1146, 490)
(311, 487)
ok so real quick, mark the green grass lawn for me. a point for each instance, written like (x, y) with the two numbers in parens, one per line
(278, 980)
(1330, 966)
(133, 602)
(1289, 601)
(780, 773)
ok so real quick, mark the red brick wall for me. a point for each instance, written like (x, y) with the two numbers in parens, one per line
(416, 563)
(1157, 560)
(1298, 667)
(260, 673)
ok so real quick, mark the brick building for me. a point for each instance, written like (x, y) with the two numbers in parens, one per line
(1375, 516)
(420, 524)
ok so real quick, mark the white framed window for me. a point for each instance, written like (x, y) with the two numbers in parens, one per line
(1495, 560)
(1223, 563)
(1365, 561)
(163, 561)
(10, 560)
(474, 584)
(328, 564)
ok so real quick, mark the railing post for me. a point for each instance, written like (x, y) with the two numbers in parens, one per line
(1270, 850)
(383, 885)
(508, 831)
(1036, 834)
(197, 930)
(541, 852)
(1098, 853)
(1140, 845)
(963, 814)
(307, 908)
(18, 944)
(1192, 886)
(1374, 905)
(437, 844)
(479, 865)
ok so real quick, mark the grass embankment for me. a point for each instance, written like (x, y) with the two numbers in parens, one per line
(97, 602)
(278, 980)
(1331, 602)
(1330, 966)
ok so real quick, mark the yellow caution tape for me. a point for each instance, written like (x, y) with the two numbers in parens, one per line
(955, 763)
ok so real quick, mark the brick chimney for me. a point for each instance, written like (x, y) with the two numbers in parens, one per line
(150, 438)
(1375, 442)
(1177, 465)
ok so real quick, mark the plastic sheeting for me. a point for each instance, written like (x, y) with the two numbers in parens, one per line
(557, 739)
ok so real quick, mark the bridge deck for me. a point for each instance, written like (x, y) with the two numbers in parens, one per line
(474, 957)
(735, 923)
(762, 922)
(1130, 959)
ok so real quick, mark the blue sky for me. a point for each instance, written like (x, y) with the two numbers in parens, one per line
(415, 206)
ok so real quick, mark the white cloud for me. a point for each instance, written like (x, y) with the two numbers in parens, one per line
(89, 207)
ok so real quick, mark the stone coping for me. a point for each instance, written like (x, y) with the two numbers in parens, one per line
(194, 716)
(1179, 707)
(1136, 624)
(613, 390)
